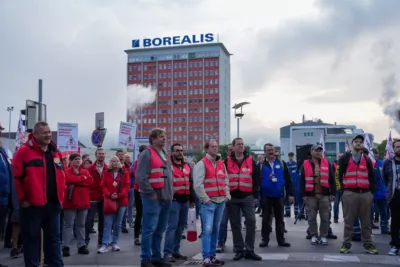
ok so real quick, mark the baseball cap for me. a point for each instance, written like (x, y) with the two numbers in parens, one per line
(358, 136)
(314, 147)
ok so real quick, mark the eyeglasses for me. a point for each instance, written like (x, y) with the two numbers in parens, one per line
(179, 151)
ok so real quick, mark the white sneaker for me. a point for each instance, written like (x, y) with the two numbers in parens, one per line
(102, 250)
(323, 241)
(393, 251)
(314, 240)
(115, 247)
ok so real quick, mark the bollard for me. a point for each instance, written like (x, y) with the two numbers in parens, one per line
(41, 249)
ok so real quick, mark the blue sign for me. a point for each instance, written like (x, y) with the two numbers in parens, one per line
(174, 40)
(98, 137)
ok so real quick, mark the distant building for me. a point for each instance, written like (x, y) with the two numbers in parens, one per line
(309, 132)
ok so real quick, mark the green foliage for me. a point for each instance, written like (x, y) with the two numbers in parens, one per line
(382, 148)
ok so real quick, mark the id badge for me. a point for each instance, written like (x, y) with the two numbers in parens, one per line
(274, 180)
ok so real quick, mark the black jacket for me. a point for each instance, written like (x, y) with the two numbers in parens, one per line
(342, 166)
(255, 175)
(331, 191)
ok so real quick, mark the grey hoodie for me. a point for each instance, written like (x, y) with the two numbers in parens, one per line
(142, 175)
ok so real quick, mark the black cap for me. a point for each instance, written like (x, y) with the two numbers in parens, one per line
(358, 136)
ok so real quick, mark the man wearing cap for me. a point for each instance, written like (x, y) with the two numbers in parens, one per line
(355, 175)
(317, 186)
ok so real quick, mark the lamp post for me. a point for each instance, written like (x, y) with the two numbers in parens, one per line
(239, 115)
(9, 109)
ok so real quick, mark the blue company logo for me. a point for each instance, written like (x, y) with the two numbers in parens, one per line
(175, 40)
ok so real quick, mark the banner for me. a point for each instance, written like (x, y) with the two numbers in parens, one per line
(389, 147)
(322, 143)
(67, 137)
(138, 143)
(127, 135)
(20, 137)
(368, 145)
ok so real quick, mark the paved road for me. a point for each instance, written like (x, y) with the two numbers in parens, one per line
(300, 253)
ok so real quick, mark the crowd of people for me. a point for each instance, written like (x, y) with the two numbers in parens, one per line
(41, 192)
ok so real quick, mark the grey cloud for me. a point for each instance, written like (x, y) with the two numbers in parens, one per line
(342, 24)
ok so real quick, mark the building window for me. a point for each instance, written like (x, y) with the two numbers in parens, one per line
(330, 146)
(130, 77)
(342, 147)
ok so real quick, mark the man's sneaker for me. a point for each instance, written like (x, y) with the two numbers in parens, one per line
(323, 241)
(102, 250)
(115, 247)
(220, 249)
(14, 253)
(65, 252)
(146, 263)
(207, 262)
(217, 262)
(393, 251)
(369, 248)
(345, 248)
(314, 240)
(83, 250)
(373, 226)
(137, 242)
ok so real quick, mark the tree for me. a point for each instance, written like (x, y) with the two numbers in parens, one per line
(382, 148)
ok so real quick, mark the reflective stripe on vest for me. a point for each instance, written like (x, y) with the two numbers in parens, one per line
(157, 165)
(356, 176)
(181, 179)
(214, 180)
(309, 174)
(240, 177)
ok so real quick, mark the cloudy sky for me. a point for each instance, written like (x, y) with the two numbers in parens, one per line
(333, 60)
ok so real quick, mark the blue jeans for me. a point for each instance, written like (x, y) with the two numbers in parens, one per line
(336, 205)
(381, 204)
(155, 220)
(113, 222)
(211, 215)
(176, 223)
(128, 215)
(223, 229)
(32, 220)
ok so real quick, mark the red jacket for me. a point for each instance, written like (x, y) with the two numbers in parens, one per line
(80, 195)
(96, 192)
(111, 185)
(29, 167)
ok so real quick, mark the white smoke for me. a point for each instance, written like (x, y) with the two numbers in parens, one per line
(389, 100)
(260, 142)
(139, 96)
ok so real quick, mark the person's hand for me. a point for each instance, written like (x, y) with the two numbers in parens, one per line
(291, 200)
(114, 196)
(154, 197)
(305, 199)
(25, 204)
(191, 205)
(331, 198)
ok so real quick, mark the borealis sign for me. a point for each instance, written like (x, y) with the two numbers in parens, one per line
(173, 40)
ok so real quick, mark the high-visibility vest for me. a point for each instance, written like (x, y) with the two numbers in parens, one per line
(323, 174)
(240, 177)
(181, 179)
(157, 166)
(214, 180)
(356, 176)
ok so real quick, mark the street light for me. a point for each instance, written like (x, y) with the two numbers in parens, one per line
(238, 115)
(9, 109)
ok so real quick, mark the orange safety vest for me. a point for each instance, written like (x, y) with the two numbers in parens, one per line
(181, 179)
(356, 176)
(214, 180)
(240, 177)
(309, 174)
(157, 166)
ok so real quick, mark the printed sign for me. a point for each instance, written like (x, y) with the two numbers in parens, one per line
(127, 135)
(67, 137)
(138, 143)
(173, 40)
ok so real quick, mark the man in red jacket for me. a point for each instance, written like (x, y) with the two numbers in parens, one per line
(96, 170)
(40, 180)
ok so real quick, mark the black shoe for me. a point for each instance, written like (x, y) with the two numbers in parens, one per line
(284, 244)
(169, 258)
(263, 244)
(238, 256)
(336, 221)
(160, 262)
(146, 263)
(137, 242)
(373, 226)
(125, 231)
(183, 237)
(14, 253)
(65, 252)
(93, 231)
(179, 256)
(217, 262)
(331, 236)
(83, 250)
(308, 237)
(250, 255)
